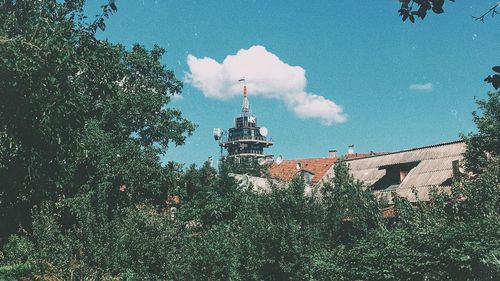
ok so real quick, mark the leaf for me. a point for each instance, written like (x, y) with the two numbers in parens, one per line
(496, 81)
(437, 6)
(437, 10)
(112, 5)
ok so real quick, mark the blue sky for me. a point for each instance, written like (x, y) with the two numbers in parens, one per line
(399, 85)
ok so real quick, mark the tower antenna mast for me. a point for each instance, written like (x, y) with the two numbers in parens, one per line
(245, 108)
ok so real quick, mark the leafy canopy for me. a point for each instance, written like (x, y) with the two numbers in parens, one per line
(76, 111)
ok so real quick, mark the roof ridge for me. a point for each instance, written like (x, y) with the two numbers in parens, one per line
(411, 149)
(317, 158)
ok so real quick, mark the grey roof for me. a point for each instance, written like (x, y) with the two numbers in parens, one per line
(434, 168)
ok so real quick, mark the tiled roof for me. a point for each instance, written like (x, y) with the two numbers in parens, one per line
(287, 170)
(319, 167)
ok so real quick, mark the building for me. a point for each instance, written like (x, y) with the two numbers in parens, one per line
(410, 173)
(246, 138)
(314, 170)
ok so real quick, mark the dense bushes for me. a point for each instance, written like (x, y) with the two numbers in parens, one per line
(225, 232)
(84, 195)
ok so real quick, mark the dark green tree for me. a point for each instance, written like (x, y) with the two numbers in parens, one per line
(244, 165)
(480, 186)
(483, 146)
(351, 208)
(78, 113)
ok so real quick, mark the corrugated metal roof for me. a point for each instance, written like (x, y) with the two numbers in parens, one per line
(433, 168)
(435, 152)
(368, 175)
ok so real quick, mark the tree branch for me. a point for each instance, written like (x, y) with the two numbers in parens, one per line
(493, 11)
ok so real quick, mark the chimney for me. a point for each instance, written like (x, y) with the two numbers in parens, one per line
(456, 169)
(351, 149)
(332, 153)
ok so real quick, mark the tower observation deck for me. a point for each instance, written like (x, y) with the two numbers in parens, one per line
(246, 138)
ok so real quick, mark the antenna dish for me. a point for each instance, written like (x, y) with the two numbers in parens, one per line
(217, 133)
(263, 131)
(261, 161)
(279, 160)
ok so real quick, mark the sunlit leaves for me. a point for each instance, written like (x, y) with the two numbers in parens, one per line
(484, 146)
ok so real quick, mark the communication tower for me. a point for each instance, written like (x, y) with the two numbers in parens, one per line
(246, 138)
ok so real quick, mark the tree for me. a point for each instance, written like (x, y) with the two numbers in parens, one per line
(77, 112)
(351, 208)
(84, 152)
(481, 187)
(244, 165)
(483, 146)
(411, 9)
(422, 7)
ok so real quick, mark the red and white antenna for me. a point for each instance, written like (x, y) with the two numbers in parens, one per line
(245, 108)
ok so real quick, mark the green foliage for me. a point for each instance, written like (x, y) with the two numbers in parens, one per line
(481, 195)
(351, 208)
(481, 188)
(412, 215)
(224, 232)
(77, 111)
(82, 125)
(288, 232)
(243, 165)
(17, 252)
(484, 145)
(460, 251)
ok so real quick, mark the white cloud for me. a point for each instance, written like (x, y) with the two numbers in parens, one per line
(266, 76)
(427, 87)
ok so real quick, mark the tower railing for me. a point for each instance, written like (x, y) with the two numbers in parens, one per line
(247, 138)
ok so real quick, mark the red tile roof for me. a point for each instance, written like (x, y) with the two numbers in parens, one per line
(287, 170)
